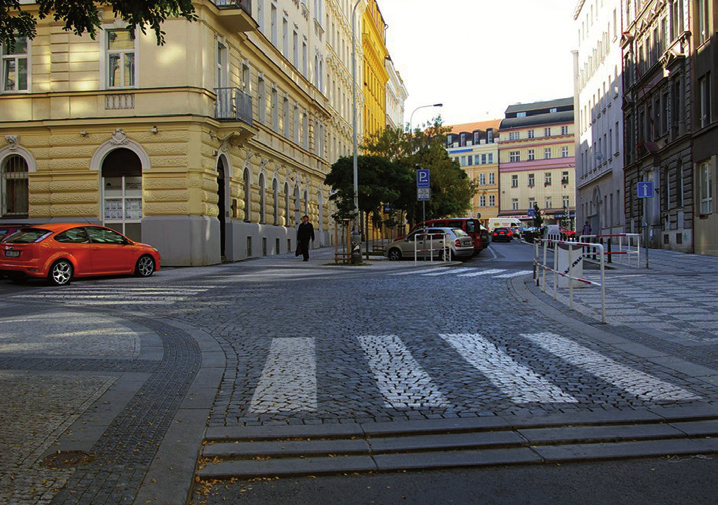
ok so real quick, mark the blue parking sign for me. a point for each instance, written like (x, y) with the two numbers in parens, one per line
(422, 178)
(645, 189)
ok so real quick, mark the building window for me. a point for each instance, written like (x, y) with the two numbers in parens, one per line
(514, 204)
(274, 108)
(120, 54)
(547, 132)
(262, 199)
(482, 179)
(564, 130)
(564, 178)
(704, 21)
(490, 136)
(564, 152)
(547, 179)
(532, 180)
(482, 201)
(492, 178)
(14, 66)
(514, 181)
(275, 203)
(565, 201)
(14, 187)
(547, 203)
(705, 178)
(247, 196)
(547, 153)
(532, 155)
(491, 158)
(514, 136)
(704, 100)
(492, 201)
(531, 134)
(514, 156)
(261, 100)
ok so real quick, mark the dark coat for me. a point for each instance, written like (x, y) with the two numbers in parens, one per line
(305, 232)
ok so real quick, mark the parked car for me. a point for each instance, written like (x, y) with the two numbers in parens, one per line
(485, 236)
(471, 226)
(63, 251)
(432, 243)
(504, 234)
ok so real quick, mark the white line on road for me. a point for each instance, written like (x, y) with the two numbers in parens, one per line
(483, 272)
(402, 381)
(633, 381)
(513, 274)
(520, 383)
(289, 378)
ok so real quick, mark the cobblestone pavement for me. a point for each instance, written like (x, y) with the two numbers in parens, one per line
(311, 344)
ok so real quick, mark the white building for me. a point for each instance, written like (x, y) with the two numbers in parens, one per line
(598, 94)
(396, 95)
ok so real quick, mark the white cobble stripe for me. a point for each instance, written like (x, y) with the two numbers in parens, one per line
(632, 381)
(483, 272)
(401, 380)
(289, 379)
(515, 380)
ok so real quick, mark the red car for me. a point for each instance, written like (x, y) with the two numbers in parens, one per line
(63, 251)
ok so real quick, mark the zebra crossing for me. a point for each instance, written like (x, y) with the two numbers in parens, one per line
(288, 382)
(496, 273)
(107, 295)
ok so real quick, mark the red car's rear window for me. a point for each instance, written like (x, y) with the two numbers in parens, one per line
(27, 236)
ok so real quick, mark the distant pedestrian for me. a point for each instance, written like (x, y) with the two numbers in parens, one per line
(305, 233)
(586, 229)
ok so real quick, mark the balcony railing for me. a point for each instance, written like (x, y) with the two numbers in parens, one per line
(233, 104)
(245, 5)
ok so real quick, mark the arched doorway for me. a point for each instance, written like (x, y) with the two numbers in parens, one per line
(122, 192)
(222, 206)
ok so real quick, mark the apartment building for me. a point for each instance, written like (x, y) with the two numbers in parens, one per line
(598, 92)
(396, 95)
(661, 115)
(536, 160)
(210, 147)
(475, 146)
(375, 75)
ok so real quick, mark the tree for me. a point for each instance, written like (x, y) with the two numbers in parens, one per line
(80, 16)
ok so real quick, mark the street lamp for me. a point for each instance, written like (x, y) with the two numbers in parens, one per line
(354, 122)
(411, 118)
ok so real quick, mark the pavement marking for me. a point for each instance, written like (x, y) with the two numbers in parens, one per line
(513, 274)
(401, 379)
(483, 272)
(289, 379)
(423, 270)
(632, 381)
(518, 382)
(443, 271)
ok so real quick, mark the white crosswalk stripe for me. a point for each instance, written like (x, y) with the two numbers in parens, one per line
(496, 273)
(402, 381)
(633, 381)
(520, 383)
(513, 274)
(111, 295)
(288, 382)
(492, 271)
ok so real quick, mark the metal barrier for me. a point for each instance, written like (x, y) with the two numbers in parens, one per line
(544, 266)
(625, 250)
(444, 250)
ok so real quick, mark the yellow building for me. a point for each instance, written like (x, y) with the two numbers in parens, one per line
(536, 160)
(209, 148)
(475, 146)
(375, 73)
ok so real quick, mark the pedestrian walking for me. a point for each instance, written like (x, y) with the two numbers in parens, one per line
(586, 229)
(305, 233)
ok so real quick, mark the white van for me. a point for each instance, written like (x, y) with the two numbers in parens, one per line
(504, 222)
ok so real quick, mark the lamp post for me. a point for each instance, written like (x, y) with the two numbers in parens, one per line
(411, 117)
(354, 126)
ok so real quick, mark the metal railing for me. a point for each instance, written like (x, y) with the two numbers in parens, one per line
(245, 5)
(629, 247)
(443, 246)
(541, 266)
(233, 103)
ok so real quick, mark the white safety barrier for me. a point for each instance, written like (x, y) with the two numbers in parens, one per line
(541, 263)
(443, 246)
(629, 247)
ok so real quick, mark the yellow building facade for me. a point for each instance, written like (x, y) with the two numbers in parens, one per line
(537, 160)
(210, 147)
(475, 146)
(375, 75)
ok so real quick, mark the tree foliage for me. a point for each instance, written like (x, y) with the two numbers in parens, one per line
(80, 16)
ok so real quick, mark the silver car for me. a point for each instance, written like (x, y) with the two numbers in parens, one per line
(439, 243)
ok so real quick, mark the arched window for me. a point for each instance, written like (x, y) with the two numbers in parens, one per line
(14, 187)
(275, 201)
(122, 192)
(286, 204)
(306, 203)
(262, 199)
(247, 197)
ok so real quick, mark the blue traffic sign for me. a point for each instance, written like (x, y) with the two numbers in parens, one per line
(645, 189)
(422, 178)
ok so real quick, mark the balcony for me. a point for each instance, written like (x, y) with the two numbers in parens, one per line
(236, 15)
(233, 105)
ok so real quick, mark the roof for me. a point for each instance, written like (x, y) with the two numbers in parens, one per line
(471, 127)
(537, 106)
(538, 120)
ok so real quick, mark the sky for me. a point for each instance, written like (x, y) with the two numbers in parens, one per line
(477, 57)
